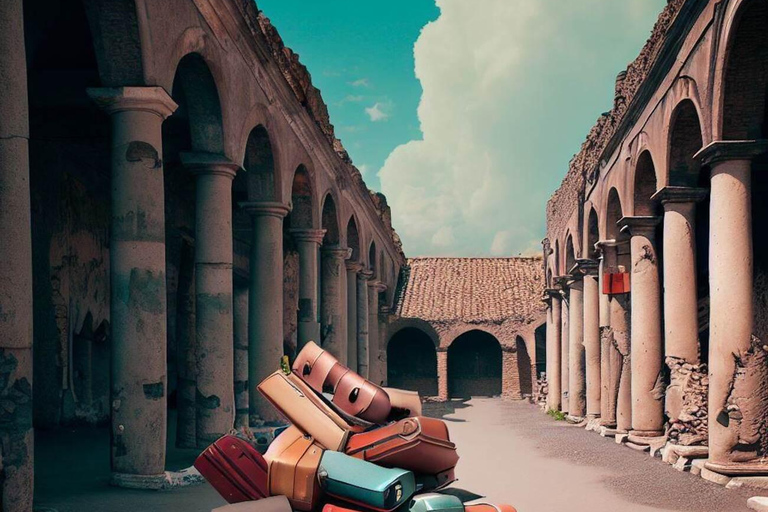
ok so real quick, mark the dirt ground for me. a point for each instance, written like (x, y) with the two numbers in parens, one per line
(510, 452)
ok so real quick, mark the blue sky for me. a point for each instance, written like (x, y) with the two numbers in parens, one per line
(465, 113)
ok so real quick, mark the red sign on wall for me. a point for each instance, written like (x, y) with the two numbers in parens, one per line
(615, 283)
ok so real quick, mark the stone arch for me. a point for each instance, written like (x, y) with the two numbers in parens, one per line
(591, 234)
(353, 238)
(412, 361)
(613, 213)
(645, 185)
(685, 140)
(743, 79)
(330, 221)
(372, 263)
(302, 200)
(474, 365)
(195, 91)
(524, 367)
(570, 254)
(259, 163)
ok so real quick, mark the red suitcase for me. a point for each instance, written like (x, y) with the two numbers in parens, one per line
(419, 444)
(235, 469)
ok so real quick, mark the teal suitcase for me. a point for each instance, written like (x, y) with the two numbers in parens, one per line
(364, 483)
(435, 502)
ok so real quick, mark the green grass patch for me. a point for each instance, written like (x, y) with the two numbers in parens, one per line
(557, 415)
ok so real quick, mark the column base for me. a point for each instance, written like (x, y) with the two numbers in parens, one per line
(738, 468)
(646, 433)
(575, 420)
(130, 481)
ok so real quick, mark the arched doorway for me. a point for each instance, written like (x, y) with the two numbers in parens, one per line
(524, 368)
(474, 365)
(412, 362)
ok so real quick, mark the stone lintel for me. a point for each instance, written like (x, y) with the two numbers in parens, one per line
(638, 225)
(354, 266)
(308, 235)
(202, 163)
(724, 150)
(265, 208)
(121, 99)
(672, 194)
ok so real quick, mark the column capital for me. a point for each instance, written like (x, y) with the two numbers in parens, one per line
(671, 194)
(378, 286)
(337, 251)
(724, 150)
(121, 99)
(586, 267)
(201, 163)
(639, 225)
(354, 266)
(265, 208)
(308, 235)
(365, 275)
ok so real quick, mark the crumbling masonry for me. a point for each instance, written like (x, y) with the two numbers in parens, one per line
(659, 221)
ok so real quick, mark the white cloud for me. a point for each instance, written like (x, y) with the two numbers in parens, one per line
(364, 169)
(503, 81)
(377, 112)
(360, 82)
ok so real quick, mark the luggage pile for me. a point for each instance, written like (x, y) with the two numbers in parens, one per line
(352, 446)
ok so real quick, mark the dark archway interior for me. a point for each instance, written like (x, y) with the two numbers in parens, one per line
(746, 76)
(301, 200)
(684, 143)
(474, 365)
(541, 350)
(593, 234)
(353, 239)
(524, 367)
(330, 222)
(645, 186)
(412, 362)
(614, 213)
(570, 256)
(372, 258)
(259, 163)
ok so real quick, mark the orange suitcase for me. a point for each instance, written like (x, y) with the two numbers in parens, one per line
(420, 444)
(307, 410)
(489, 507)
(293, 458)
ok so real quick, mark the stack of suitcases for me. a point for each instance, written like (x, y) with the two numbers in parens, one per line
(365, 449)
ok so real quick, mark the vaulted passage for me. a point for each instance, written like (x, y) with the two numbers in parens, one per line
(412, 362)
(474, 365)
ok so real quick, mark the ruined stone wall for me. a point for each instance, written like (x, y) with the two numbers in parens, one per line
(585, 165)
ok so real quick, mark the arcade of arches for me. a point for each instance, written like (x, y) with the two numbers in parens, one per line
(655, 257)
(487, 342)
(175, 200)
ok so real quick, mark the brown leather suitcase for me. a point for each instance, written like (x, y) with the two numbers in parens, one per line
(272, 504)
(419, 444)
(406, 403)
(351, 392)
(293, 459)
(307, 410)
(235, 469)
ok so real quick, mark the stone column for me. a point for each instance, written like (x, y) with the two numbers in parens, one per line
(308, 242)
(647, 344)
(353, 268)
(553, 350)
(577, 403)
(591, 337)
(442, 374)
(138, 297)
(736, 385)
(681, 319)
(16, 434)
(621, 349)
(265, 304)
(375, 287)
(186, 351)
(241, 356)
(363, 361)
(564, 350)
(607, 404)
(215, 401)
(333, 305)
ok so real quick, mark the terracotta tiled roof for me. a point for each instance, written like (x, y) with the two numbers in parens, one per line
(473, 290)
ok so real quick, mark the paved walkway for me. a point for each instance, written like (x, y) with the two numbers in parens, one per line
(514, 453)
(510, 452)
